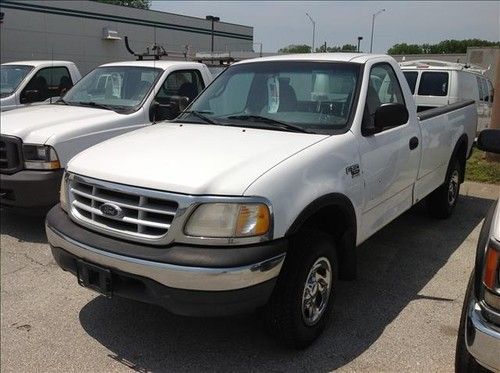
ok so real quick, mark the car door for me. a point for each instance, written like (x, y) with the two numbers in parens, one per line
(388, 164)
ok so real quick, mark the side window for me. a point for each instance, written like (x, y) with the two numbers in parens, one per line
(46, 83)
(411, 78)
(184, 83)
(433, 83)
(490, 89)
(383, 88)
(485, 90)
(480, 88)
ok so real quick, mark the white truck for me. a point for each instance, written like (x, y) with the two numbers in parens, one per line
(260, 192)
(37, 142)
(28, 82)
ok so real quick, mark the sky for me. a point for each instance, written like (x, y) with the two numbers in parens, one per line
(280, 23)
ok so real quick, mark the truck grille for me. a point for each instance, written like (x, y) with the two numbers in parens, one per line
(10, 154)
(140, 216)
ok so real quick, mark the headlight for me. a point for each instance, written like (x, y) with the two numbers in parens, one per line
(63, 192)
(229, 220)
(40, 157)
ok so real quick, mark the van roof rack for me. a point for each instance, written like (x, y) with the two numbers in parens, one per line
(438, 63)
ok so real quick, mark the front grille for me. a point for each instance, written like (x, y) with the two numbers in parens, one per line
(10, 154)
(141, 216)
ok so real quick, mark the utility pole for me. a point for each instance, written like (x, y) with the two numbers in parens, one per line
(359, 41)
(324, 47)
(213, 19)
(373, 26)
(314, 30)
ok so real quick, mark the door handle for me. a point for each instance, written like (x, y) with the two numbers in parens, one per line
(413, 143)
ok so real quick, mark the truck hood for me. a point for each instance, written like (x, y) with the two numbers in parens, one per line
(189, 158)
(36, 124)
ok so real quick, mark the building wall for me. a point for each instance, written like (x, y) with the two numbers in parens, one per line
(485, 57)
(73, 30)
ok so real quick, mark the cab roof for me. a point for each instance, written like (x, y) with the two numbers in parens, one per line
(330, 57)
(37, 63)
(160, 64)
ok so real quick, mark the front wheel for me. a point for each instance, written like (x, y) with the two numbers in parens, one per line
(444, 199)
(301, 304)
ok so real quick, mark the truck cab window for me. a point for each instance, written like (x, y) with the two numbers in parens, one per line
(46, 83)
(183, 83)
(433, 83)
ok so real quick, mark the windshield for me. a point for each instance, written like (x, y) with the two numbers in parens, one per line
(313, 96)
(113, 87)
(12, 76)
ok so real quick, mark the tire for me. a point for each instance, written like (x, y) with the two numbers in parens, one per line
(443, 200)
(464, 361)
(297, 314)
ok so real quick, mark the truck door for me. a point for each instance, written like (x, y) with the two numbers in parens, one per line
(389, 159)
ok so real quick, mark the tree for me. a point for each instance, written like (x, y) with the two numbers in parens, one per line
(349, 48)
(445, 46)
(295, 48)
(140, 4)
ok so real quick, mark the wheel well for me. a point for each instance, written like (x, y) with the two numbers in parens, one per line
(330, 219)
(461, 153)
(339, 222)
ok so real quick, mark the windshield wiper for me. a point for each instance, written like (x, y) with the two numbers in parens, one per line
(97, 105)
(203, 117)
(258, 118)
(61, 100)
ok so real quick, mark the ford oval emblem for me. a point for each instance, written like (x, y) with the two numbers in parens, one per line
(111, 210)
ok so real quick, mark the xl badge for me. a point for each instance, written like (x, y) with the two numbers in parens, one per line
(111, 210)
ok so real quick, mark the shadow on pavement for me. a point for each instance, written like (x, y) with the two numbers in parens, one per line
(394, 265)
(24, 227)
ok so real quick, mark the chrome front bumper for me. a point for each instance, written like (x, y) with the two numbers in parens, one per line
(482, 338)
(173, 276)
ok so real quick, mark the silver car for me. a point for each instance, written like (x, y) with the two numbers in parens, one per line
(478, 343)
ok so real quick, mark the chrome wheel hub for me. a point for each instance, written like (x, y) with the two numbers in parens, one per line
(453, 188)
(316, 291)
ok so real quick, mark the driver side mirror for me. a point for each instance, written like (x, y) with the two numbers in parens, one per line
(390, 115)
(30, 95)
(489, 140)
(176, 105)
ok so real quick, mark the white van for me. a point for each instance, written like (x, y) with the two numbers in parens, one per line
(438, 83)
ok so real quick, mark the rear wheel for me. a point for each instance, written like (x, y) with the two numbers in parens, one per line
(301, 304)
(444, 199)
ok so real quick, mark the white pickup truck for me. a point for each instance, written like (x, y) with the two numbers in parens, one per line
(28, 82)
(37, 142)
(260, 192)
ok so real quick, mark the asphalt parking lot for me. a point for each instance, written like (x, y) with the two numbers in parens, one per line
(401, 314)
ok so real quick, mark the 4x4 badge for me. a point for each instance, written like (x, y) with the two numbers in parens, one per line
(353, 170)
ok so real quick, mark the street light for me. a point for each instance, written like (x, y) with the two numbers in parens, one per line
(359, 41)
(314, 30)
(213, 19)
(373, 25)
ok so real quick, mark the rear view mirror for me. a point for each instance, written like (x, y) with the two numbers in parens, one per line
(489, 141)
(390, 115)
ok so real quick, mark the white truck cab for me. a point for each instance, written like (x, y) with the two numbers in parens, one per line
(37, 142)
(438, 83)
(29, 82)
(259, 193)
